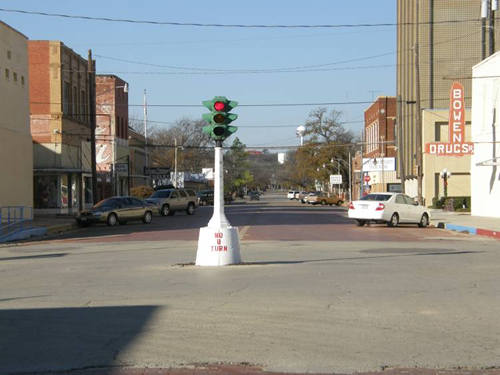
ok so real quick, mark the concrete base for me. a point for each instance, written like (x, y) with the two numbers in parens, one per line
(218, 246)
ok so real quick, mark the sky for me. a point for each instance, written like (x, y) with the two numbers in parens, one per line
(181, 65)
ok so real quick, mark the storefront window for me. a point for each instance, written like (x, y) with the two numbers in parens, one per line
(45, 191)
(75, 192)
(64, 191)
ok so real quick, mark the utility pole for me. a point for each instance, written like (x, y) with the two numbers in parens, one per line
(383, 159)
(146, 129)
(418, 117)
(175, 163)
(92, 118)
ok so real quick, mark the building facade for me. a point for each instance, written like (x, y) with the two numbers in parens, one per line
(438, 42)
(485, 162)
(112, 137)
(379, 150)
(436, 131)
(16, 150)
(137, 150)
(60, 127)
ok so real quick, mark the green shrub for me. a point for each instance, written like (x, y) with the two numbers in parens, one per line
(458, 203)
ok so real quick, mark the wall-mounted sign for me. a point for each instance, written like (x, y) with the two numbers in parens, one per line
(456, 128)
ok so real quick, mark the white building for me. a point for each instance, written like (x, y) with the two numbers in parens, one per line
(485, 131)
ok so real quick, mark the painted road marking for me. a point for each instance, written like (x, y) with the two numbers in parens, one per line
(244, 231)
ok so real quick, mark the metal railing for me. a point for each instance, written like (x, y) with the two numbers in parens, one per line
(14, 219)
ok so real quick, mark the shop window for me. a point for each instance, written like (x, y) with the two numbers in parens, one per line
(45, 192)
(64, 191)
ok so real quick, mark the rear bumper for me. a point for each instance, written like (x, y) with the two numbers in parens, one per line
(370, 215)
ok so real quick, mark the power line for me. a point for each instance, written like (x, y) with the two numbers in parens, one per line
(254, 26)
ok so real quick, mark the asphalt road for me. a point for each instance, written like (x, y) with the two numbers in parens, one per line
(315, 294)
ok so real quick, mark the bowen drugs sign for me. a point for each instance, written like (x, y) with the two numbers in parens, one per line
(456, 125)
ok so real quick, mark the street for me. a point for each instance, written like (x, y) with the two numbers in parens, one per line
(315, 294)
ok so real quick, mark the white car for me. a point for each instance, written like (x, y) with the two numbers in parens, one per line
(291, 194)
(390, 208)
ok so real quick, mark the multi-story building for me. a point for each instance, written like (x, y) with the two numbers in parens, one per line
(16, 150)
(379, 151)
(112, 136)
(60, 127)
(438, 42)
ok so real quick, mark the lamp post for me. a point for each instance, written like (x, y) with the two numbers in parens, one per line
(445, 174)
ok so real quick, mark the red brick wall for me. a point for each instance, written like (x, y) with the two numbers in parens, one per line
(386, 122)
(39, 79)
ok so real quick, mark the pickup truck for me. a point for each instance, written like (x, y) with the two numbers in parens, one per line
(323, 199)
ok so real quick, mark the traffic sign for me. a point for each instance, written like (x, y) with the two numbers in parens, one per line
(335, 179)
(366, 178)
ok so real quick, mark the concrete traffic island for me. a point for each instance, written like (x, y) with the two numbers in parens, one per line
(219, 242)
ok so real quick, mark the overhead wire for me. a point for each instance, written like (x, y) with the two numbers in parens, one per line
(253, 26)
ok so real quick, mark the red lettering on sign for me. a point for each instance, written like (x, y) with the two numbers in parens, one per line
(218, 235)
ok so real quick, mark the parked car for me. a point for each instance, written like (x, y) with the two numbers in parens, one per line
(390, 208)
(301, 195)
(310, 195)
(168, 201)
(324, 199)
(291, 194)
(254, 195)
(205, 197)
(116, 210)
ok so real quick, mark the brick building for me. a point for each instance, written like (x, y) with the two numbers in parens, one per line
(378, 159)
(112, 136)
(60, 127)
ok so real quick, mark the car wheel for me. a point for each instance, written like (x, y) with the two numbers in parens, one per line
(148, 216)
(190, 209)
(360, 223)
(323, 203)
(339, 203)
(394, 220)
(424, 221)
(112, 220)
(165, 210)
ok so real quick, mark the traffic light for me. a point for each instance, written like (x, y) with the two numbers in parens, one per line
(219, 118)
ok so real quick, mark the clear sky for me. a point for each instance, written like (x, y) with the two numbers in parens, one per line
(202, 60)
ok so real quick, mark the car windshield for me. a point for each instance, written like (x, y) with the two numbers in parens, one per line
(376, 197)
(161, 194)
(105, 203)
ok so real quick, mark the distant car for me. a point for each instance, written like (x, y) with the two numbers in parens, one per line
(116, 210)
(301, 195)
(389, 208)
(205, 197)
(291, 194)
(324, 199)
(310, 195)
(168, 201)
(254, 195)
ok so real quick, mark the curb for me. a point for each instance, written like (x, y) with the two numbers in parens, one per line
(470, 230)
(54, 229)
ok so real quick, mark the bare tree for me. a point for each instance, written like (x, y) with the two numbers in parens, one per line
(193, 152)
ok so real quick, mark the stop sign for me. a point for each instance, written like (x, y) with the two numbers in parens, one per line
(366, 178)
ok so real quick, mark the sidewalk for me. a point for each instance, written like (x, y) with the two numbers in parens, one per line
(464, 222)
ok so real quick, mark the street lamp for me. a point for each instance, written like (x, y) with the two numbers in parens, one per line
(445, 174)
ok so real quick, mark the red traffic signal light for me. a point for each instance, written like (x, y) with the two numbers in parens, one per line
(219, 106)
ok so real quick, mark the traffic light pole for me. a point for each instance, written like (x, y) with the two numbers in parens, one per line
(218, 219)
(219, 242)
